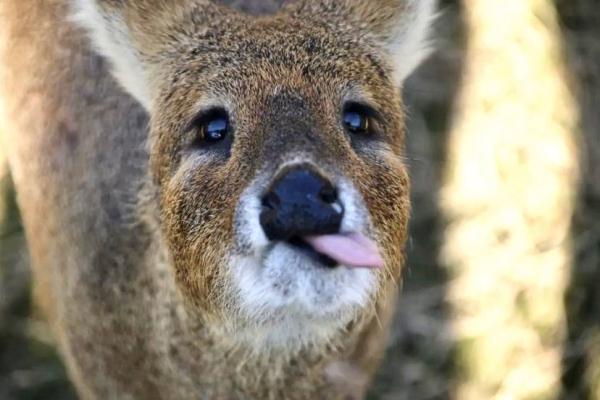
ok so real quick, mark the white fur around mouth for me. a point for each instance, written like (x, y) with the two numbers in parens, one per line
(284, 281)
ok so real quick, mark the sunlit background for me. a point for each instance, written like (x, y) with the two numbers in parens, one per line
(501, 294)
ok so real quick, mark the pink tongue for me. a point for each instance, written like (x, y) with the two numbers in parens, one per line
(351, 250)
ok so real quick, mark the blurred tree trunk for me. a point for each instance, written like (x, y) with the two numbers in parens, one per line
(508, 197)
(580, 20)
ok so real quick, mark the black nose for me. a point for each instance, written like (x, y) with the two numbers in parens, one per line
(299, 203)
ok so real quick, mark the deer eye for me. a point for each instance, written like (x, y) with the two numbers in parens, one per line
(213, 126)
(356, 118)
(216, 129)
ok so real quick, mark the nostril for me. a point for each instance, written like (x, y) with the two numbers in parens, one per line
(328, 194)
(271, 201)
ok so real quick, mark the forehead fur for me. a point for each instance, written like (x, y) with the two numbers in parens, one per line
(255, 7)
(139, 35)
(282, 50)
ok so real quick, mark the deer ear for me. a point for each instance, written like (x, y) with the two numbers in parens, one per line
(111, 37)
(406, 35)
(132, 34)
(400, 27)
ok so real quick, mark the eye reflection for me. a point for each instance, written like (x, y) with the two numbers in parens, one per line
(216, 129)
(356, 119)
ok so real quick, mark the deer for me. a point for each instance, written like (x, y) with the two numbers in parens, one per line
(213, 192)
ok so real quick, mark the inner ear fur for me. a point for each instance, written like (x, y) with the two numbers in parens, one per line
(133, 34)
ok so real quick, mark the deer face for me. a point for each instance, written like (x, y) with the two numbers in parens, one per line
(276, 148)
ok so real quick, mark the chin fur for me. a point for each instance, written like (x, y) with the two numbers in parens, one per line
(289, 300)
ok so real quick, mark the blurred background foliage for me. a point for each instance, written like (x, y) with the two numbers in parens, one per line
(501, 296)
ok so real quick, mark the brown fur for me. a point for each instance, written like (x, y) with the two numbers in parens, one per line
(129, 248)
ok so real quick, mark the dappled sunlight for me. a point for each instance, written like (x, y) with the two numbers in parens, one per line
(509, 197)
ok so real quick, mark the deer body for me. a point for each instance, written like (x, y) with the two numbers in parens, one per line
(134, 275)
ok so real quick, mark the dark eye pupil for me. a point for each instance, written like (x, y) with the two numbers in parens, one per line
(355, 121)
(216, 129)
